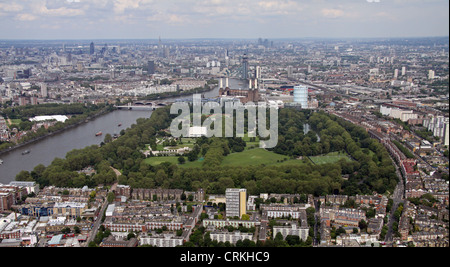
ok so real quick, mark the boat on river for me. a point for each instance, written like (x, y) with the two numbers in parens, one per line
(26, 152)
(1, 162)
(98, 134)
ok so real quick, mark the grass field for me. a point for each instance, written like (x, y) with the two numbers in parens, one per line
(257, 156)
(14, 121)
(173, 159)
(329, 158)
(247, 157)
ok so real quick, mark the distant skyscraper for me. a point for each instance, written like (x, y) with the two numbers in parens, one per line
(289, 71)
(301, 95)
(403, 71)
(431, 74)
(44, 92)
(151, 67)
(446, 133)
(92, 49)
(258, 72)
(245, 67)
(236, 202)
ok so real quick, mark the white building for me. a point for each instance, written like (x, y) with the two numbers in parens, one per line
(164, 241)
(301, 96)
(230, 237)
(397, 113)
(301, 232)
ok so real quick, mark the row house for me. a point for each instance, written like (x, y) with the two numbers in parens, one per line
(125, 227)
(284, 211)
(111, 242)
(359, 238)
(123, 190)
(226, 223)
(159, 194)
(423, 236)
(336, 199)
(345, 219)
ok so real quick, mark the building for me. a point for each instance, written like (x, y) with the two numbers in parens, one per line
(69, 209)
(151, 67)
(112, 242)
(232, 237)
(44, 90)
(164, 241)
(91, 49)
(301, 96)
(397, 112)
(245, 67)
(31, 187)
(236, 202)
(446, 132)
(301, 232)
(244, 95)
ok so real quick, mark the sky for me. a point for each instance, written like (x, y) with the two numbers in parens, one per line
(241, 19)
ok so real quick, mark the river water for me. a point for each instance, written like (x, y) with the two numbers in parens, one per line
(57, 146)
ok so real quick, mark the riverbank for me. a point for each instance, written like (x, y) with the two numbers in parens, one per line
(104, 111)
(150, 97)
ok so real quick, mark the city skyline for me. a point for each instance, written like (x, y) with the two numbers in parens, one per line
(181, 19)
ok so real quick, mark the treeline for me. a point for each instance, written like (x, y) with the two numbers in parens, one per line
(123, 154)
(47, 109)
(80, 113)
(371, 168)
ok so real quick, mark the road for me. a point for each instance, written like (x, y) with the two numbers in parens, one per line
(397, 198)
(98, 221)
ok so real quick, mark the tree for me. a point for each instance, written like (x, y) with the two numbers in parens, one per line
(111, 196)
(181, 160)
(108, 138)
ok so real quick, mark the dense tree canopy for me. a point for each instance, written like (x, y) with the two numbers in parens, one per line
(369, 170)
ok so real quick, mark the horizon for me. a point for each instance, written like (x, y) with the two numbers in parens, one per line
(235, 38)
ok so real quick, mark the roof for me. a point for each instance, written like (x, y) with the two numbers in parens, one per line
(56, 240)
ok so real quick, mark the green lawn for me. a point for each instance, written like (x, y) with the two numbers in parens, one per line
(329, 158)
(255, 156)
(173, 159)
(159, 160)
(14, 121)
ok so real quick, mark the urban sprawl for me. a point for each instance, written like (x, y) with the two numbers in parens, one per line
(395, 89)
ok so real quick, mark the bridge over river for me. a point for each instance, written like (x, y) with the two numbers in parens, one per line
(152, 105)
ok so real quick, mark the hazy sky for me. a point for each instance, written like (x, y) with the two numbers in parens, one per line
(149, 19)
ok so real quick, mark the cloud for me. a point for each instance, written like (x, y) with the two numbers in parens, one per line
(332, 13)
(26, 17)
(121, 5)
(10, 7)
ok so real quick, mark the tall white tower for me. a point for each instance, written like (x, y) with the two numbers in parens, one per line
(301, 95)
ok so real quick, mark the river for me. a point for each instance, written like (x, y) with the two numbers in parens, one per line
(57, 146)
